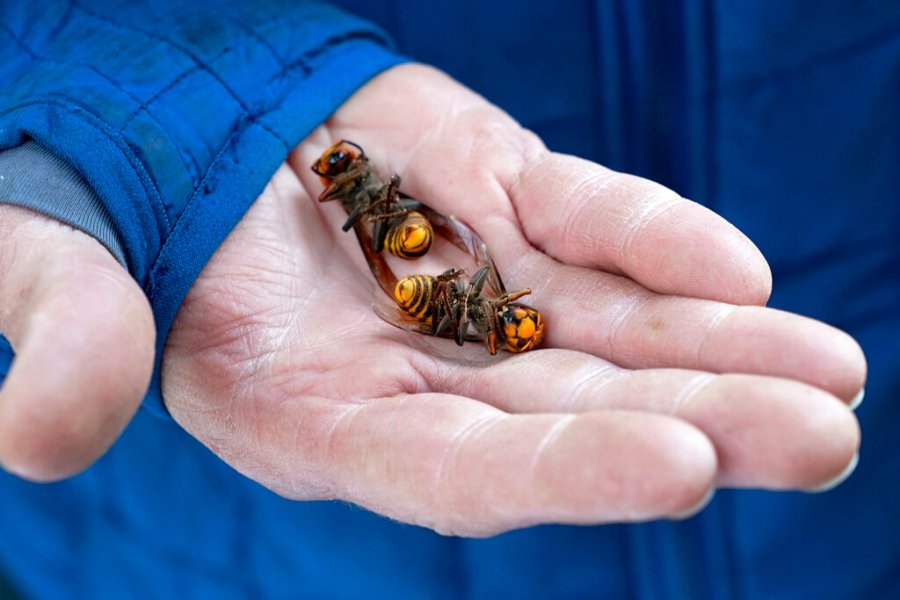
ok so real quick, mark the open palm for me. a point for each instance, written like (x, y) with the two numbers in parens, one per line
(654, 386)
(278, 363)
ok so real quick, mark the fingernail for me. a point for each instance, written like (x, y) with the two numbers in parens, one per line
(697, 507)
(857, 400)
(847, 472)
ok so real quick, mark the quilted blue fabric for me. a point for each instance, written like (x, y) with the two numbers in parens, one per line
(782, 116)
(176, 113)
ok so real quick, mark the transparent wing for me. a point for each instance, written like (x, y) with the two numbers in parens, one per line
(466, 239)
(397, 317)
(379, 267)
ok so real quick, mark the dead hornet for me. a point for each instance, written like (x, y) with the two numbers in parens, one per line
(397, 221)
(445, 306)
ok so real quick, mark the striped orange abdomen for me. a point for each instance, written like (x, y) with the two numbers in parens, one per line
(414, 294)
(411, 237)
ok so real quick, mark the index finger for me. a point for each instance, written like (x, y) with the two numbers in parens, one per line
(584, 214)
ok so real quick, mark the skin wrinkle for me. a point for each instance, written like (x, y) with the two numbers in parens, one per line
(572, 232)
(253, 332)
(691, 391)
(456, 376)
(259, 272)
(447, 466)
(321, 373)
(531, 153)
(586, 190)
(364, 488)
(252, 365)
(214, 422)
(406, 381)
(284, 473)
(298, 474)
(235, 364)
(616, 323)
(511, 216)
(347, 330)
(342, 423)
(607, 375)
(546, 442)
(227, 338)
(39, 231)
(308, 375)
(725, 311)
(283, 341)
(639, 221)
(430, 377)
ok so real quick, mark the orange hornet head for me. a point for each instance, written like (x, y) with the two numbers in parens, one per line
(523, 327)
(336, 160)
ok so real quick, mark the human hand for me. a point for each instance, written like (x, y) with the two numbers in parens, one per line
(277, 363)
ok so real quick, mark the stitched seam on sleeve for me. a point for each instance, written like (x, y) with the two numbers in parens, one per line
(107, 131)
(303, 64)
(252, 119)
(142, 106)
(302, 61)
(246, 30)
(183, 152)
(187, 214)
(252, 33)
(35, 56)
(190, 55)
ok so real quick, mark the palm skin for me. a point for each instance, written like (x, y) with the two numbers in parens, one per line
(278, 364)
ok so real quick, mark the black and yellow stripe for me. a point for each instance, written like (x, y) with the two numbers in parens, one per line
(411, 237)
(414, 295)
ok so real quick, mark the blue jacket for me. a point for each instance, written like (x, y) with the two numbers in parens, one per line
(783, 117)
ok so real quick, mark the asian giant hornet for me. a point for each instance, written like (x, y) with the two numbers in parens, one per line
(397, 221)
(445, 306)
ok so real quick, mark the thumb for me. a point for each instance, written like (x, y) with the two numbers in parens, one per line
(83, 334)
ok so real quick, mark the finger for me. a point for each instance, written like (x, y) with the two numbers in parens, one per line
(616, 319)
(584, 214)
(463, 156)
(83, 336)
(768, 432)
(620, 320)
(461, 467)
(579, 212)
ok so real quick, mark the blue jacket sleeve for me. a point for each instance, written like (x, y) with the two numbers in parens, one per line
(177, 114)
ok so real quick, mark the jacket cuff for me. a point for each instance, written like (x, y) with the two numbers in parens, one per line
(179, 129)
(33, 178)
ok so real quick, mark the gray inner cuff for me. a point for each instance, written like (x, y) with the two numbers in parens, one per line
(33, 178)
